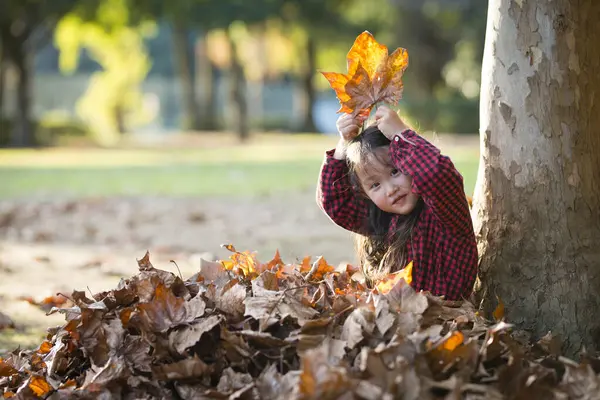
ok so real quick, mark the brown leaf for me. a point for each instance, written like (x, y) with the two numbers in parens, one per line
(166, 310)
(384, 320)
(452, 352)
(550, 344)
(262, 339)
(580, 381)
(98, 377)
(403, 298)
(144, 264)
(316, 326)
(184, 369)
(212, 271)
(6, 369)
(262, 309)
(232, 381)
(231, 301)
(188, 336)
(319, 378)
(272, 385)
(388, 369)
(267, 280)
(360, 322)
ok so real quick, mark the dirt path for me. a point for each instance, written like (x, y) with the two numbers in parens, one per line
(50, 246)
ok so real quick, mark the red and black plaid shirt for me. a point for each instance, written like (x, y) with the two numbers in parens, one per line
(442, 246)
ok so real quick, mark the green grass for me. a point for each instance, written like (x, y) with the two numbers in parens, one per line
(264, 166)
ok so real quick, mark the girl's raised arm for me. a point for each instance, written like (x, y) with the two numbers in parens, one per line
(337, 198)
(435, 179)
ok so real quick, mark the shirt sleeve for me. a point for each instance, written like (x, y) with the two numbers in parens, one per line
(337, 198)
(435, 179)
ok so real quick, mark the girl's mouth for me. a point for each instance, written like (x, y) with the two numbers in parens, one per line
(399, 199)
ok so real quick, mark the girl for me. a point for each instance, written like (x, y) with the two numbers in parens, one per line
(405, 201)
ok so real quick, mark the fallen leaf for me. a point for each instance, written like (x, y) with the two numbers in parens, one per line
(319, 378)
(6, 369)
(271, 333)
(232, 381)
(211, 271)
(144, 263)
(167, 310)
(231, 301)
(39, 386)
(318, 270)
(188, 336)
(360, 322)
(385, 285)
(499, 311)
(185, 369)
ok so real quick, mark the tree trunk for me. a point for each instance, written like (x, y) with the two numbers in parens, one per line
(184, 57)
(22, 132)
(3, 66)
(239, 109)
(119, 115)
(537, 201)
(308, 87)
(206, 84)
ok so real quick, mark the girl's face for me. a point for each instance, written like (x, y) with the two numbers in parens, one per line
(389, 189)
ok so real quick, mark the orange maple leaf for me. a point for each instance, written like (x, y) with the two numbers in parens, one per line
(373, 76)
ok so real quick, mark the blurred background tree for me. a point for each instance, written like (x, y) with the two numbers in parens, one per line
(113, 102)
(140, 66)
(25, 26)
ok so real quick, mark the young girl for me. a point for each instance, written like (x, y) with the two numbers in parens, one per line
(405, 201)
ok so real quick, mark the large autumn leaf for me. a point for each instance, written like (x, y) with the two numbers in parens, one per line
(374, 76)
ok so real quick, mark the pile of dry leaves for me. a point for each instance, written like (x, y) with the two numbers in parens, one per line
(248, 330)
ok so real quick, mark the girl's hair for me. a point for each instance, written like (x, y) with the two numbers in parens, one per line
(378, 253)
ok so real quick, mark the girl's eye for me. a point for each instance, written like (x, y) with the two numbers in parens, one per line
(375, 185)
(395, 172)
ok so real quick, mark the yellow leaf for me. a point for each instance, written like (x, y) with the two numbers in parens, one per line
(387, 284)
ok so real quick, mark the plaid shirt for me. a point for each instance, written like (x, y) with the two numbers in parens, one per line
(442, 246)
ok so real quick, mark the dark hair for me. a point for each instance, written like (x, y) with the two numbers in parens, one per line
(378, 253)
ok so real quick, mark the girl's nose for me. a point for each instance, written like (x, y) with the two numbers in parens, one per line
(391, 190)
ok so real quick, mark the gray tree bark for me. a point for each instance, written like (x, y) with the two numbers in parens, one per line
(537, 201)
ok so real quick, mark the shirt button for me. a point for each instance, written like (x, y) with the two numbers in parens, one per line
(397, 139)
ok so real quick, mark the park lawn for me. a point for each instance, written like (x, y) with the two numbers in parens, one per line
(265, 166)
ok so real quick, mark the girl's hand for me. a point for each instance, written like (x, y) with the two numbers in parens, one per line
(349, 127)
(389, 122)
